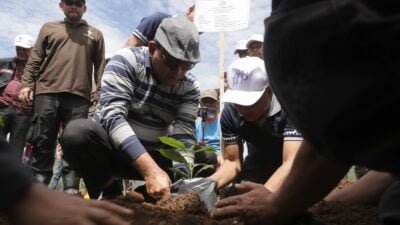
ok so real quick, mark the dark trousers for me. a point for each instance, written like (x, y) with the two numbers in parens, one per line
(389, 206)
(51, 110)
(16, 125)
(88, 149)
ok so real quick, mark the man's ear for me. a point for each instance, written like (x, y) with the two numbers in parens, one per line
(152, 47)
(61, 5)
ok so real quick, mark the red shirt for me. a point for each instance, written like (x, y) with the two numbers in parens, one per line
(11, 91)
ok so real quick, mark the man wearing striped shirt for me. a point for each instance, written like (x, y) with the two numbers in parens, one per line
(144, 90)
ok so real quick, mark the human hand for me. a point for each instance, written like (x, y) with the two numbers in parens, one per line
(44, 206)
(26, 95)
(202, 143)
(158, 183)
(253, 205)
(59, 152)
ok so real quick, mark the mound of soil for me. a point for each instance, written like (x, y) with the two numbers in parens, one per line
(180, 210)
(188, 209)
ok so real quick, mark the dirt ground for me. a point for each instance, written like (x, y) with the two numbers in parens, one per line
(187, 209)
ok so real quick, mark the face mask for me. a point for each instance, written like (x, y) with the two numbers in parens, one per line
(211, 113)
(207, 113)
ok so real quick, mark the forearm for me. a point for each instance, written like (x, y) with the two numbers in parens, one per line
(276, 180)
(310, 179)
(226, 173)
(367, 190)
(145, 165)
(290, 149)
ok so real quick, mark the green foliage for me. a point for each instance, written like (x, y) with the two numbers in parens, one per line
(1, 122)
(178, 152)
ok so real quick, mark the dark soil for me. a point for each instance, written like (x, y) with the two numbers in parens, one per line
(187, 209)
(338, 213)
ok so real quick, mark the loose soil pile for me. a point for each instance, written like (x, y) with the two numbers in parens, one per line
(187, 209)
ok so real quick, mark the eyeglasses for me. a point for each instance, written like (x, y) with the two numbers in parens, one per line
(76, 3)
(172, 62)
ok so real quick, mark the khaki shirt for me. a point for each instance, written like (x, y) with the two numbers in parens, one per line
(64, 58)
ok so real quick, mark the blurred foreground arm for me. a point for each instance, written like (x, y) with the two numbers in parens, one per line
(41, 205)
(367, 190)
(35, 204)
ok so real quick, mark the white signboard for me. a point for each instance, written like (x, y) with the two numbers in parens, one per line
(221, 15)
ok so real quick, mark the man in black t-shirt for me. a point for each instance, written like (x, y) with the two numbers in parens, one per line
(254, 115)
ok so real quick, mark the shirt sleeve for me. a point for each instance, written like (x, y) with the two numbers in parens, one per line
(117, 90)
(14, 177)
(148, 26)
(229, 125)
(36, 58)
(99, 60)
(290, 133)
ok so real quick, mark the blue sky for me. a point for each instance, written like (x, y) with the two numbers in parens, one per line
(117, 19)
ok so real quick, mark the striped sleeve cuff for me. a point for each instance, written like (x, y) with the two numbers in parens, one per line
(132, 147)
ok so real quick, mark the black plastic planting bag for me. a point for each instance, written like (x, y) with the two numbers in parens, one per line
(205, 187)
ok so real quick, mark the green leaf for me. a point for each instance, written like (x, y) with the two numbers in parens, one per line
(207, 149)
(180, 173)
(204, 167)
(173, 155)
(1, 122)
(172, 142)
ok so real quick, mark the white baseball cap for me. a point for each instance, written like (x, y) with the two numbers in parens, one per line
(24, 41)
(253, 38)
(241, 45)
(247, 81)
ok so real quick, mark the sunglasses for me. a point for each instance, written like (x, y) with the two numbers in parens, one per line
(172, 62)
(76, 3)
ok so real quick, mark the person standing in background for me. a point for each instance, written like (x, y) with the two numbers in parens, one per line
(255, 46)
(147, 27)
(15, 113)
(241, 49)
(58, 79)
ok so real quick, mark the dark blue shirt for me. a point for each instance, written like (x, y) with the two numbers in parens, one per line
(146, 30)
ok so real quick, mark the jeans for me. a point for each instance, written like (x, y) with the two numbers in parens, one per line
(58, 168)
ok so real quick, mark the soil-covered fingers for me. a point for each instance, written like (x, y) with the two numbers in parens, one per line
(228, 207)
(158, 185)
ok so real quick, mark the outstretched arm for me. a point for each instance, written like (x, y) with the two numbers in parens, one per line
(290, 149)
(310, 178)
(230, 168)
(367, 190)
